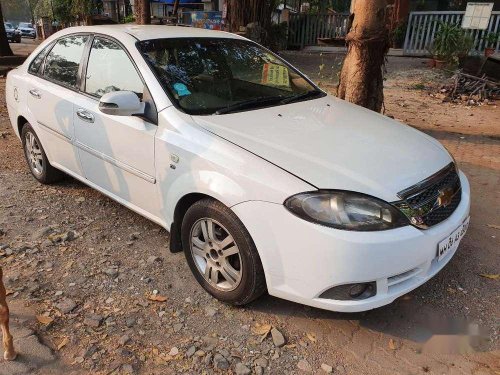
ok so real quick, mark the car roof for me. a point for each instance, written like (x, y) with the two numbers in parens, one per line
(147, 32)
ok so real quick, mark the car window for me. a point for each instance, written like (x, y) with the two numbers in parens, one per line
(64, 59)
(8, 25)
(109, 69)
(27, 25)
(38, 60)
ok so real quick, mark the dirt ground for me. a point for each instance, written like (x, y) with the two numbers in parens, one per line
(90, 287)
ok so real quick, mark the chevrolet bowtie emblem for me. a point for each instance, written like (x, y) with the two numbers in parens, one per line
(445, 196)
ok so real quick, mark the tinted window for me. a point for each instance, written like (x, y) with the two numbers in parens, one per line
(205, 75)
(110, 69)
(63, 60)
(38, 60)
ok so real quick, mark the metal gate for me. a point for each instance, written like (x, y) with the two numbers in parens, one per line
(422, 26)
(305, 29)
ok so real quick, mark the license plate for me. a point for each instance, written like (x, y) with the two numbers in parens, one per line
(450, 244)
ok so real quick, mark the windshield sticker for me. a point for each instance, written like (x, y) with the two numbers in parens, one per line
(276, 75)
(181, 89)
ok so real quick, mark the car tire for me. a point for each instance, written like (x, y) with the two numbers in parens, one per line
(36, 158)
(239, 277)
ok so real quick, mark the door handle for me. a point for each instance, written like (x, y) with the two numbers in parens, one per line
(35, 93)
(85, 116)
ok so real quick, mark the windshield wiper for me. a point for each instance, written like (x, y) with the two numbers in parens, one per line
(306, 95)
(252, 103)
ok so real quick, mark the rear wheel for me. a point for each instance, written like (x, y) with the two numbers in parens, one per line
(221, 253)
(37, 160)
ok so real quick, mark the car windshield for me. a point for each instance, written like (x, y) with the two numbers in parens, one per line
(217, 75)
(8, 25)
(26, 25)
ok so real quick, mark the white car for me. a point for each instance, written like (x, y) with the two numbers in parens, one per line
(262, 179)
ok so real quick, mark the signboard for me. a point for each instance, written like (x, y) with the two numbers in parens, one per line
(206, 20)
(477, 16)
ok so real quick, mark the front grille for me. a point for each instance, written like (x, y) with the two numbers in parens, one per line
(433, 200)
(442, 213)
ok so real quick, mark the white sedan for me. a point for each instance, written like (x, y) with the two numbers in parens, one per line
(262, 179)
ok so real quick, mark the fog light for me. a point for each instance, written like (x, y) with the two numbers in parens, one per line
(347, 292)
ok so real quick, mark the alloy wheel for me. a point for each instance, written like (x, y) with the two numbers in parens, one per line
(216, 254)
(34, 153)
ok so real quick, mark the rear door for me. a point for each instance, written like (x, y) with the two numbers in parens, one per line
(116, 152)
(51, 93)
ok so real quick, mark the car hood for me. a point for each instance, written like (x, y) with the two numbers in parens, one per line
(333, 144)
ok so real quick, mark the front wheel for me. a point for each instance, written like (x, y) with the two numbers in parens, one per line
(221, 253)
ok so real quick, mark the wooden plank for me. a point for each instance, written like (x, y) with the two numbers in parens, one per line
(406, 46)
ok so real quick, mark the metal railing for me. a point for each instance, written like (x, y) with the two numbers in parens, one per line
(305, 29)
(422, 27)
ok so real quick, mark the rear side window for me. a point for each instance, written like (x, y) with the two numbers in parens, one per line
(38, 60)
(63, 61)
(109, 69)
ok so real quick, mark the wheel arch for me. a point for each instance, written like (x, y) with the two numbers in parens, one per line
(180, 210)
(21, 121)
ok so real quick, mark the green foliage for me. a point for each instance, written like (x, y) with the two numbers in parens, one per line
(451, 42)
(129, 19)
(492, 39)
(68, 11)
(277, 36)
(399, 33)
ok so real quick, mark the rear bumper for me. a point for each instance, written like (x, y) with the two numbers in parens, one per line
(302, 260)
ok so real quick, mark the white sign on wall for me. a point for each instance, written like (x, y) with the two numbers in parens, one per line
(477, 16)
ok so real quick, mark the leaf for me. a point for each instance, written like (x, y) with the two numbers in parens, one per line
(157, 298)
(490, 276)
(311, 337)
(44, 319)
(261, 329)
(493, 226)
(8, 292)
(392, 344)
(62, 343)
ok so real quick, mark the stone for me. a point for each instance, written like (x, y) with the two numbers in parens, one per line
(261, 361)
(220, 362)
(178, 327)
(65, 305)
(259, 370)
(127, 369)
(209, 343)
(93, 320)
(111, 271)
(210, 311)
(326, 368)
(190, 352)
(153, 259)
(241, 369)
(278, 338)
(173, 352)
(304, 366)
(130, 322)
(124, 340)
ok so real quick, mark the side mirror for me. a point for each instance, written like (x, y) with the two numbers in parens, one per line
(121, 103)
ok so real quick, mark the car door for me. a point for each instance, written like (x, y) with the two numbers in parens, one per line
(52, 88)
(116, 152)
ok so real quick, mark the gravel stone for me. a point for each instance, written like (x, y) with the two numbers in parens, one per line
(278, 338)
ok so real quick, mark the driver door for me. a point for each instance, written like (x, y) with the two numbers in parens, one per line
(116, 152)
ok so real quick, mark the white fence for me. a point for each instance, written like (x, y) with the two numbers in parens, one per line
(422, 26)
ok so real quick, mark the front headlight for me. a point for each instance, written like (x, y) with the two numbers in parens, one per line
(346, 210)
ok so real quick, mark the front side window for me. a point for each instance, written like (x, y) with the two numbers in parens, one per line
(109, 69)
(63, 60)
(209, 75)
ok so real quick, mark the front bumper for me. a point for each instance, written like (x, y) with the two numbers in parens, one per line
(301, 260)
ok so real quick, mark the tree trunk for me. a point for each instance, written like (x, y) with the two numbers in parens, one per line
(242, 12)
(4, 43)
(142, 12)
(361, 78)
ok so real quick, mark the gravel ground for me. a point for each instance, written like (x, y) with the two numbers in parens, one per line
(109, 298)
